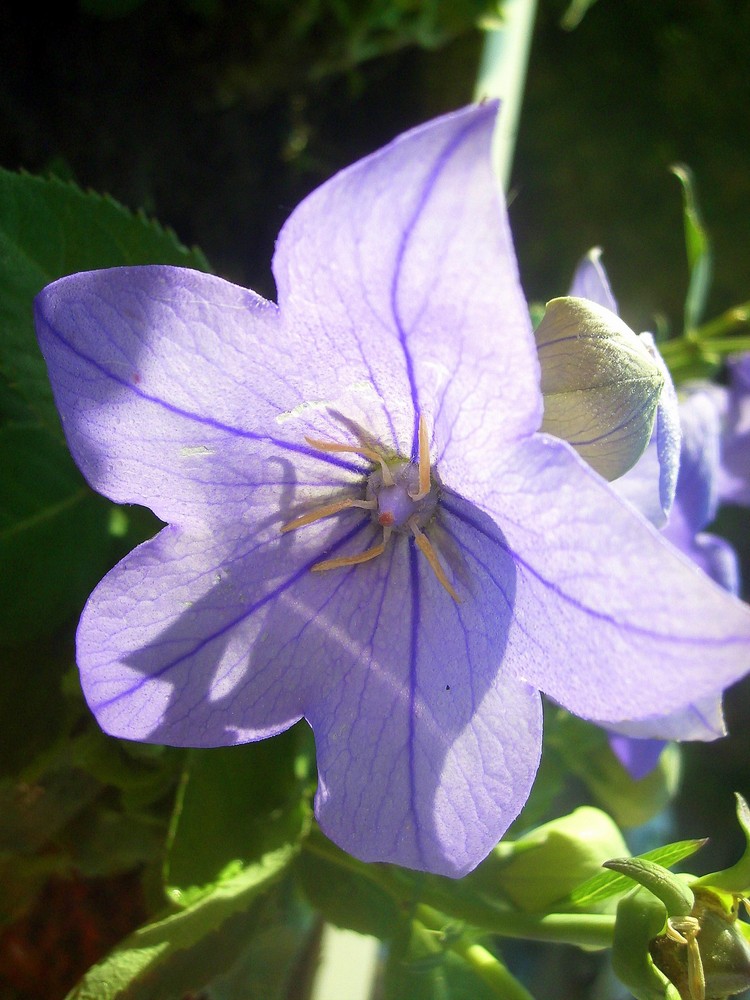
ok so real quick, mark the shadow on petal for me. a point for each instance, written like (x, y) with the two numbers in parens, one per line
(426, 751)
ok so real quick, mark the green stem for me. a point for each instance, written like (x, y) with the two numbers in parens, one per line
(502, 74)
(726, 345)
(591, 930)
(736, 316)
(487, 967)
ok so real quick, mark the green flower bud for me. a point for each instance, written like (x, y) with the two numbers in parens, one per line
(547, 863)
(641, 917)
(599, 382)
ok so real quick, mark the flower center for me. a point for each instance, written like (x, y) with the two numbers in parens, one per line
(396, 502)
(400, 496)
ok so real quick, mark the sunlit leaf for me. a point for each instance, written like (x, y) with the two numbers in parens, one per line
(235, 804)
(609, 883)
(135, 967)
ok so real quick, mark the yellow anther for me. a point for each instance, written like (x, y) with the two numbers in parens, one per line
(424, 462)
(355, 560)
(370, 453)
(326, 510)
(432, 558)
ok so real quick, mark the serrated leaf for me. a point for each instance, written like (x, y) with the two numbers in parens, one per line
(698, 249)
(49, 228)
(609, 883)
(141, 956)
(254, 955)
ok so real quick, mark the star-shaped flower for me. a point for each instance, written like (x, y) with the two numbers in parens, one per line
(364, 527)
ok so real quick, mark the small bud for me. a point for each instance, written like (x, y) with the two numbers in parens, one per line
(547, 863)
(600, 384)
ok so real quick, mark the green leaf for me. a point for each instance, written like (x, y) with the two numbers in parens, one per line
(33, 713)
(49, 228)
(235, 804)
(673, 891)
(347, 898)
(698, 249)
(136, 967)
(55, 541)
(275, 954)
(255, 953)
(102, 842)
(31, 814)
(737, 878)
(609, 883)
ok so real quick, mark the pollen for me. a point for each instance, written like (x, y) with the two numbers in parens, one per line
(400, 496)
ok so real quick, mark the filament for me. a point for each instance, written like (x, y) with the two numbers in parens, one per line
(355, 560)
(426, 548)
(326, 510)
(424, 462)
(352, 450)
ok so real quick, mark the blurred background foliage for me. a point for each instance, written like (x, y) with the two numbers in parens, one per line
(216, 117)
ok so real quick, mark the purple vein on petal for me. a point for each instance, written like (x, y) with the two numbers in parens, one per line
(413, 652)
(427, 190)
(709, 641)
(205, 421)
(247, 613)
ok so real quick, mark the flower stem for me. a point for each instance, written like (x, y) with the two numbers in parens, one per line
(736, 316)
(727, 345)
(487, 967)
(591, 930)
(502, 74)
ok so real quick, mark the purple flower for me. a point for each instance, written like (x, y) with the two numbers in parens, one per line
(734, 403)
(364, 527)
(676, 487)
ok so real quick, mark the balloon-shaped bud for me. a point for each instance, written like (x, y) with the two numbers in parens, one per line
(544, 865)
(600, 384)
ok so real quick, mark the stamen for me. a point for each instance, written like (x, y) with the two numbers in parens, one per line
(355, 560)
(685, 930)
(326, 510)
(432, 558)
(424, 462)
(351, 450)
